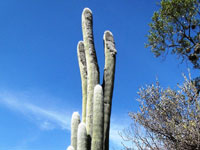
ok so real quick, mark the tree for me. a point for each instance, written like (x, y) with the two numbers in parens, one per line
(169, 119)
(175, 28)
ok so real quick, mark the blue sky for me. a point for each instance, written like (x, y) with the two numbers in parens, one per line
(40, 84)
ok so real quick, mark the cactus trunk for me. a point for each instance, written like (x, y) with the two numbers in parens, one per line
(92, 65)
(98, 119)
(93, 132)
(83, 71)
(108, 82)
(74, 127)
(82, 137)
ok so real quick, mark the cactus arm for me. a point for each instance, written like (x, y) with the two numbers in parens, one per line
(98, 119)
(92, 66)
(74, 128)
(93, 132)
(83, 72)
(82, 137)
(70, 148)
(108, 82)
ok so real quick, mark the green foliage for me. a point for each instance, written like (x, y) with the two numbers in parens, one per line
(175, 28)
(169, 119)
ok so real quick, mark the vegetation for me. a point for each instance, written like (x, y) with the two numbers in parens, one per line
(92, 133)
(169, 119)
(175, 28)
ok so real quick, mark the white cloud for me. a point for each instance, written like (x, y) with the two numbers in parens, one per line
(114, 135)
(44, 117)
(48, 119)
(117, 126)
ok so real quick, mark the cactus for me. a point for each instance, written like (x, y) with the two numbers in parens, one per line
(93, 131)
(82, 137)
(98, 119)
(92, 65)
(70, 148)
(74, 127)
(108, 82)
(83, 70)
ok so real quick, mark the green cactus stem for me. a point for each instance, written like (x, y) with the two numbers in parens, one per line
(93, 132)
(108, 82)
(91, 63)
(74, 128)
(82, 137)
(83, 72)
(98, 119)
(70, 148)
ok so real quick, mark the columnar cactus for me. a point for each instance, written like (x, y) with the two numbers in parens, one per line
(74, 128)
(98, 119)
(82, 137)
(108, 82)
(91, 63)
(83, 71)
(93, 131)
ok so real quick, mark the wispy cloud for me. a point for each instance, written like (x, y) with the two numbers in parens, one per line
(49, 119)
(118, 124)
(114, 135)
(44, 117)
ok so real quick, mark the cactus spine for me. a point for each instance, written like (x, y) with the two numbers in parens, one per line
(93, 131)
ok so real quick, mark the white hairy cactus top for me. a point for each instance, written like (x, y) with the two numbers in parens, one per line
(70, 148)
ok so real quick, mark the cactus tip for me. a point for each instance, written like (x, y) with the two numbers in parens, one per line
(108, 36)
(82, 125)
(86, 11)
(80, 45)
(98, 88)
(75, 114)
(108, 32)
(70, 148)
